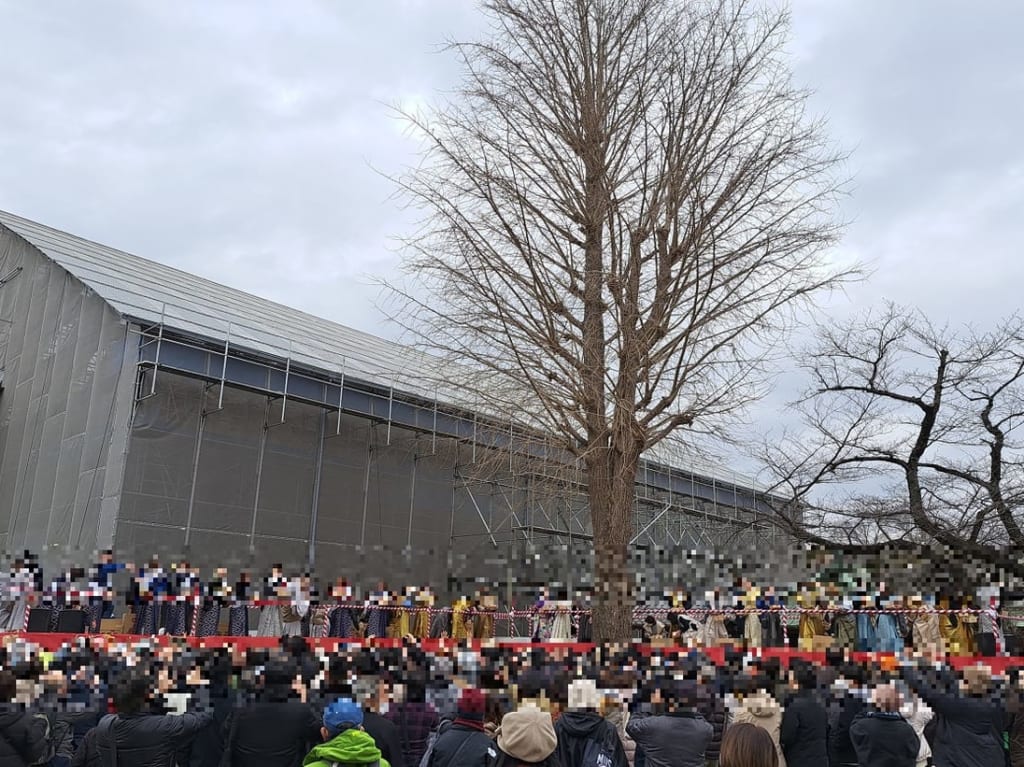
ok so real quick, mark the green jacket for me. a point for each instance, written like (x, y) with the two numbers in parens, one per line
(349, 748)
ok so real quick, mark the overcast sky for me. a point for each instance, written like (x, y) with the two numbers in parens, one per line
(238, 139)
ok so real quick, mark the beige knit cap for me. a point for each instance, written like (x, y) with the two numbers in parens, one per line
(527, 735)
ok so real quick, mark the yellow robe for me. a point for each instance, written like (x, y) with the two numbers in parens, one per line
(421, 623)
(398, 626)
(811, 625)
(958, 640)
(459, 628)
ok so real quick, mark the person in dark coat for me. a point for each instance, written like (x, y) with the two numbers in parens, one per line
(276, 730)
(843, 709)
(22, 735)
(712, 707)
(677, 738)
(384, 732)
(218, 698)
(883, 738)
(140, 734)
(804, 731)
(465, 743)
(970, 719)
(415, 720)
(582, 725)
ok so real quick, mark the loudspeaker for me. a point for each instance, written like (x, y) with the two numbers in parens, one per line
(39, 619)
(71, 622)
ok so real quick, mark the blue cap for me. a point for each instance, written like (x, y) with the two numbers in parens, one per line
(343, 714)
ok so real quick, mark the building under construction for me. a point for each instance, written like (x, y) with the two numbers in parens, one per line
(156, 412)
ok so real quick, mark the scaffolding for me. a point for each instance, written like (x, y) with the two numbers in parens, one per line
(510, 489)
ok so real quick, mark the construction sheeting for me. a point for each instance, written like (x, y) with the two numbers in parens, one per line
(65, 356)
(255, 486)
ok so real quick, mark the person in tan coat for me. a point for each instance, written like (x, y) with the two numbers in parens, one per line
(615, 709)
(753, 704)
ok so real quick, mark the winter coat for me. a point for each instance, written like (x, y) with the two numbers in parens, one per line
(1015, 730)
(575, 729)
(969, 729)
(22, 737)
(843, 712)
(385, 735)
(141, 740)
(208, 746)
(715, 712)
(804, 732)
(884, 740)
(678, 739)
(462, 746)
(765, 712)
(619, 718)
(350, 747)
(270, 734)
(415, 722)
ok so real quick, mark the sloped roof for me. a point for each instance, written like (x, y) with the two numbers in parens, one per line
(153, 293)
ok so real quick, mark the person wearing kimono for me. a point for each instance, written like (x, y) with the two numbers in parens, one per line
(483, 617)
(398, 615)
(462, 619)
(440, 623)
(924, 627)
(148, 588)
(172, 608)
(812, 625)
(752, 632)
(238, 612)
(543, 618)
(295, 598)
(955, 629)
(888, 628)
(270, 624)
(344, 618)
(375, 616)
(424, 601)
(844, 626)
(215, 596)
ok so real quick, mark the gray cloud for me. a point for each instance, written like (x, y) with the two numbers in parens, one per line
(238, 139)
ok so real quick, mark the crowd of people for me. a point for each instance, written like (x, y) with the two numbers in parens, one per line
(176, 600)
(94, 703)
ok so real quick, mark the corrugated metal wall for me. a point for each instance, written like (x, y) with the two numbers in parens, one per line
(64, 408)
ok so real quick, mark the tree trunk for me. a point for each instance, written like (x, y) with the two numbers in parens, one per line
(611, 477)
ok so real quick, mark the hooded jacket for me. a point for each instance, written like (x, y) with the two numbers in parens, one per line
(462, 746)
(22, 738)
(576, 729)
(765, 712)
(678, 739)
(884, 740)
(352, 746)
(618, 716)
(527, 736)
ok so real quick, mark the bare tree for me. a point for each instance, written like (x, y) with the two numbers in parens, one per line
(623, 206)
(910, 433)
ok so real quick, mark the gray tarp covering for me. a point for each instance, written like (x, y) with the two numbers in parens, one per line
(65, 403)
